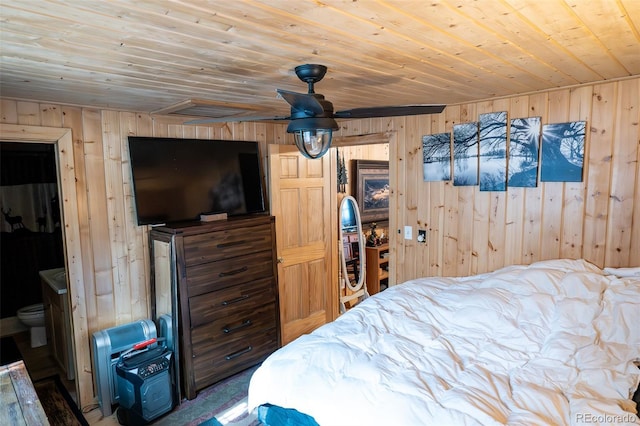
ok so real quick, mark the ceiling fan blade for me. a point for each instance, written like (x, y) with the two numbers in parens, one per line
(236, 119)
(389, 111)
(304, 102)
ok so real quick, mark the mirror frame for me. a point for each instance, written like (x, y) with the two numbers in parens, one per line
(359, 288)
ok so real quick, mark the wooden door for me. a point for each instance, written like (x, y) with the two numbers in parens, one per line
(303, 201)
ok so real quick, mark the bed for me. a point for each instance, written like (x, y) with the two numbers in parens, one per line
(555, 342)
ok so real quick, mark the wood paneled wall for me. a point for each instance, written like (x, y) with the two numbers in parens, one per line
(469, 231)
(115, 272)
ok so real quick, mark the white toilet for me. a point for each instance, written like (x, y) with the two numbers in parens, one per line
(33, 317)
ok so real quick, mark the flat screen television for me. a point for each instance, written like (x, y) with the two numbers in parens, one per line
(176, 180)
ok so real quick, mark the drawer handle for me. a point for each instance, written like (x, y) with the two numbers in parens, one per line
(234, 272)
(245, 323)
(236, 300)
(231, 244)
(237, 354)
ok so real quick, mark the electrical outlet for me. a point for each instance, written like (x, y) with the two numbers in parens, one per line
(422, 235)
(408, 232)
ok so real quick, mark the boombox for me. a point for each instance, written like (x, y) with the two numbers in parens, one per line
(144, 383)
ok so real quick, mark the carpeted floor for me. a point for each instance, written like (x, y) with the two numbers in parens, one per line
(57, 403)
(226, 401)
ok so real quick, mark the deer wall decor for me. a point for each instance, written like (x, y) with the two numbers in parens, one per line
(14, 221)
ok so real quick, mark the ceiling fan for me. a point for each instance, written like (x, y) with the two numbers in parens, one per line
(312, 118)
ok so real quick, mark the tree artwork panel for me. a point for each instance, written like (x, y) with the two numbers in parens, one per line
(523, 152)
(493, 151)
(465, 154)
(436, 157)
(562, 152)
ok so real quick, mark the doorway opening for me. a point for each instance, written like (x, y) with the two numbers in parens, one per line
(32, 246)
(31, 231)
(376, 276)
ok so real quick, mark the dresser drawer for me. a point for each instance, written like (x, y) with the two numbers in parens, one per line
(215, 360)
(218, 275)
(221, 245)
(240, 300)
(238, 323)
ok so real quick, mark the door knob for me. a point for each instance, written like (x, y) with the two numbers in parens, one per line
(280, 260)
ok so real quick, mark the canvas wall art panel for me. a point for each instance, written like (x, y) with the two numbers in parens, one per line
(523, 152)
(493, 151)
(465, 154)
(562, 152)
(436, 157)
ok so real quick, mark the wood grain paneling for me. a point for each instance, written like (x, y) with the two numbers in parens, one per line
(596, 219)
(469, 231)
(110, 251)
(153, 55)
(624, 182)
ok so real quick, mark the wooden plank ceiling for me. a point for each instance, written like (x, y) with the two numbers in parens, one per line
(149, 55)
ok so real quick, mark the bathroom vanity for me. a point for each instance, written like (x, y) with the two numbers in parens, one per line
(57, 318)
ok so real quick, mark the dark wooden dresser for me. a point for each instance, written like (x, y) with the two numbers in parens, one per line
(218, 280)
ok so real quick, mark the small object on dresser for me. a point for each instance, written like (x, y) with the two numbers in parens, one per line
(210, 217)
(373, 239)
(383, 238)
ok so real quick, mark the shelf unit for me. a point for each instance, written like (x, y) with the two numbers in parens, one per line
(377, 268)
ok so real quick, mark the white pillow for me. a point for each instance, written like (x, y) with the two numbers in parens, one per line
(623, 272)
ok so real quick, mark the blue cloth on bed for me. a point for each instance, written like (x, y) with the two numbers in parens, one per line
(272, 415)
(211, 422)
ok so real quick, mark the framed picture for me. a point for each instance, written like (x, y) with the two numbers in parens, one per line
(371, 189)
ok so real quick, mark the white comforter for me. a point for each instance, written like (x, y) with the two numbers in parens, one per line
(550, 343)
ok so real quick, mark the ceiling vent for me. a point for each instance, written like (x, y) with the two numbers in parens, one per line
(209, 109)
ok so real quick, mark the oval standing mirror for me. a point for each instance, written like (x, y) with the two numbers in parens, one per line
(352, 255)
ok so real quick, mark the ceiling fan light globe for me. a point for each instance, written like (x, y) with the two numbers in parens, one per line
(313, 135)
(313, 143)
